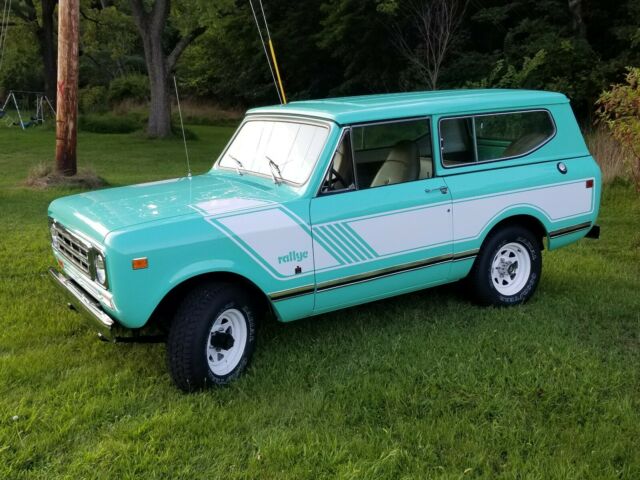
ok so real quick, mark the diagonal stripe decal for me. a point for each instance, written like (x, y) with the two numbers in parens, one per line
(335, 250)
(341, 238)
(347, 254)
(357, 240)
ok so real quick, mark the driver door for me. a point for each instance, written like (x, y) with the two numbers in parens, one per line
(384, 221)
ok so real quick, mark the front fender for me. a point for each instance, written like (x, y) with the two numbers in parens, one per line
(176, 251)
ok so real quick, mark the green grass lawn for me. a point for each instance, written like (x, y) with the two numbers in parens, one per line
(425, 385)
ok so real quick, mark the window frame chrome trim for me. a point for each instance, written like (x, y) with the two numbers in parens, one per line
(473, 117)
(348, 128)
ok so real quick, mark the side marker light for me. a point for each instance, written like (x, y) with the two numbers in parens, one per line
(139, 263)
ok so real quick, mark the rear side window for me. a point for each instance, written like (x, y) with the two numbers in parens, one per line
(482, 138)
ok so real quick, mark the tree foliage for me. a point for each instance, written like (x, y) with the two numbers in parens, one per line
(619, 109)
(344, 47)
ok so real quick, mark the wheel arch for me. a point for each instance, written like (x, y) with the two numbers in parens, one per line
(527, 220)
(163, 313)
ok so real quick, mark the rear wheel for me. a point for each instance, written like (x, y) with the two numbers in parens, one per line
(508, 268)
(212, 337)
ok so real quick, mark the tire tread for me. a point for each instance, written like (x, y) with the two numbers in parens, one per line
(186, 330)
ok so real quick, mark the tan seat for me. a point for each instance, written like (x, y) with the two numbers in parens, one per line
(524, 144)
(402, 165)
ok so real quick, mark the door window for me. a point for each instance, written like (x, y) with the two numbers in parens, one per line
(381, 154)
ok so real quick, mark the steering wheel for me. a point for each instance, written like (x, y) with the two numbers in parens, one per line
(335, 177)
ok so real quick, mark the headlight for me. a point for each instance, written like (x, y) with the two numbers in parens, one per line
(100, 269)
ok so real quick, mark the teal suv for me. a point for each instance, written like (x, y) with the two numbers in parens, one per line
(319, 205)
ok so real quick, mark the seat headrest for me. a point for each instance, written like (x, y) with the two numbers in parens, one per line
(402, 165)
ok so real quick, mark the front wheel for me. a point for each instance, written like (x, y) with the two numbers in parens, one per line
(212, 337)
(508, 268)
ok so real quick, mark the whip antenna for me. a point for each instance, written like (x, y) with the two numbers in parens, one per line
(273, 54)
(184, 137)
(277, 84)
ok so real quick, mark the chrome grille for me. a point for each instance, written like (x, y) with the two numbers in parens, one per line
(71, 247)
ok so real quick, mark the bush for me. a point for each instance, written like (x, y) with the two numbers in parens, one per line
(189, 134)
(133, 87)
(608, 152)
(619, 109)
(201, 112)
(93, 99)
(109, 123)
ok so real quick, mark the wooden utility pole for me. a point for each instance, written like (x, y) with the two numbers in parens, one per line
(67, 104)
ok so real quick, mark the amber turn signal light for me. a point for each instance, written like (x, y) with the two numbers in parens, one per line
(139, 263)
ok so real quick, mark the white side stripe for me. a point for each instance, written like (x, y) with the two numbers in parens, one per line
(556, 202)
(279, 240)
(408, 230)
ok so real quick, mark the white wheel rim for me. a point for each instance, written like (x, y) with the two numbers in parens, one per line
(511, 268)
(226, 342)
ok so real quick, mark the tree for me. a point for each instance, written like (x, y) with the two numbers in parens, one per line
(575, 7)
(43, 30)
(354, 37)
(228, 64)
(151, 26)
(111, 45)
(431, 30)
(619, 109)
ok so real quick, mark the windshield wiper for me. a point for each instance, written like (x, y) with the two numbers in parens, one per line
(239, 164)
(274, 166)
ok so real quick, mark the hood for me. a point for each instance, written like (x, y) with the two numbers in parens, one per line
(100, 212)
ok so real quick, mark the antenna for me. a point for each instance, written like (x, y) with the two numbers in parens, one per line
(184, 138)
(264, 47)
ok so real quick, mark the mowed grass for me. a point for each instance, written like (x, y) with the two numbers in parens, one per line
(425, 385)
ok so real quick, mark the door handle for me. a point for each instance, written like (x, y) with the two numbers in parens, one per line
(443, 190)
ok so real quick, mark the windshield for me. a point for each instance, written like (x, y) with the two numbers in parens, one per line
(293, 147)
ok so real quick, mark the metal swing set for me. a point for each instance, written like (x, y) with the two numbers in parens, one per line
(43, 107)
(42, 103)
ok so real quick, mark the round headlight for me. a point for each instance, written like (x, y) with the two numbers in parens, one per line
(101, 272)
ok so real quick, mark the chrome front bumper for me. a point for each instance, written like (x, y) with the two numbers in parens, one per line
(82, 302)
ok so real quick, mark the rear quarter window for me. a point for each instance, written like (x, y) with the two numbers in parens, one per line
(490, 137)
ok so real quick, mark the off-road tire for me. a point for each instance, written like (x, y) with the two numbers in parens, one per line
(481, 280)
(190, 332)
